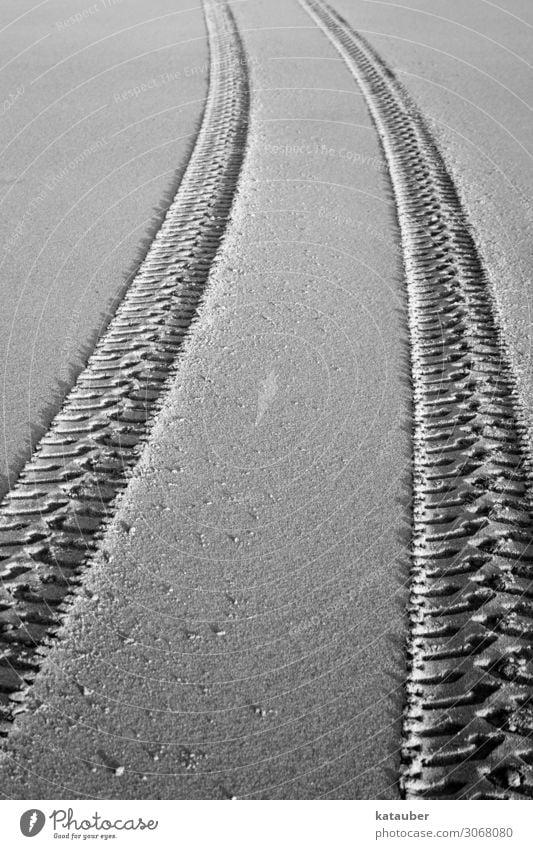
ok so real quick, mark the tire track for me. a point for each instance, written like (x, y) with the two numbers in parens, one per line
(52, 520)
(468, 719)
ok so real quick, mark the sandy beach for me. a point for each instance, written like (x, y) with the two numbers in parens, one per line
(243, 627)
(102, 102)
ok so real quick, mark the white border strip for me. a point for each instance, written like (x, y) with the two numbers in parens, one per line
(252, 825)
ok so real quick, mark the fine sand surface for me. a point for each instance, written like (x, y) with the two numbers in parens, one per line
(98, 113)
(246, 636)
(468, 66)
(242, 632)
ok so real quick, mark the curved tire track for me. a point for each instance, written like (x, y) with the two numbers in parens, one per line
(52, 520)
(468, 720)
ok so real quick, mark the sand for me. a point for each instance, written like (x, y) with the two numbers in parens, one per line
(241, 634)
(101, 105)
(468, 65)
(244, 636)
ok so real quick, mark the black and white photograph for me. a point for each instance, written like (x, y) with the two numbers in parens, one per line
(266, 388)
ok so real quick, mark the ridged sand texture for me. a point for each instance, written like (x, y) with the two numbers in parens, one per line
(52, 520)
(469, 714)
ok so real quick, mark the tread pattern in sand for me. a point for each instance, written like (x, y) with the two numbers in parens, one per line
(469, 715)
(52, 520)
